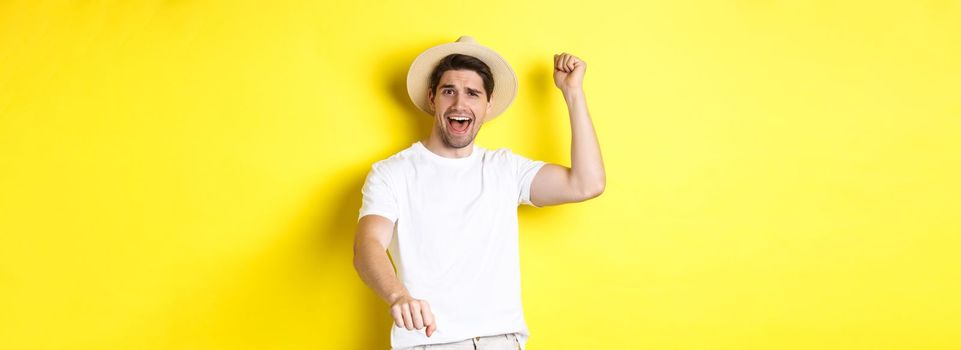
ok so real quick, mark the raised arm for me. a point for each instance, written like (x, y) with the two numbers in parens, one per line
(585, 179)
(374, 267)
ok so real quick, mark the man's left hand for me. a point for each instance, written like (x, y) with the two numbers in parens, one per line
(568, 71)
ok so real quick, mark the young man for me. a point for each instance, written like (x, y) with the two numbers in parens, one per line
(446, 209)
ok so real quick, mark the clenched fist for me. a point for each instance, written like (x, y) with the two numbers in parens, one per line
(568, 71)
(412, 314)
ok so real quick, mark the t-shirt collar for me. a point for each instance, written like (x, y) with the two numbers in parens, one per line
(427, 152)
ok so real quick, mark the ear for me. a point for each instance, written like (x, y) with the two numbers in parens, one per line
(430, 99)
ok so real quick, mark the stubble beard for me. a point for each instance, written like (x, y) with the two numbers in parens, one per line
(456, 141)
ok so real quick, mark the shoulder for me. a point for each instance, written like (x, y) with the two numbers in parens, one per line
(396, 163)
(500, 154)
(506, 155)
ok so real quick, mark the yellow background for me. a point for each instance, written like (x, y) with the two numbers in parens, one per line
(186, 174)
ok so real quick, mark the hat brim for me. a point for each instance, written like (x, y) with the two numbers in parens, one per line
(505, 81)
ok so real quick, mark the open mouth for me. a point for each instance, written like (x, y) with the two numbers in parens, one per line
(459, 124)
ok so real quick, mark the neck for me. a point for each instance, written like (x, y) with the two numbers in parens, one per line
(436, 145)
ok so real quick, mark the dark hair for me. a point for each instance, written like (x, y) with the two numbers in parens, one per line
(457, 61)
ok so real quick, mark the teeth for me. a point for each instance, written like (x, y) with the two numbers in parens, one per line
(460, 118)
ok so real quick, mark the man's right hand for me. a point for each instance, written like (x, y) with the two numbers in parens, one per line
(412, 314)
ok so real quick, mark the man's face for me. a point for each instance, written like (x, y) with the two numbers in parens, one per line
(460, 105)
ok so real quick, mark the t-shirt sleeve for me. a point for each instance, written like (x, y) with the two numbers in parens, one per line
(378, 195)
(525, 170)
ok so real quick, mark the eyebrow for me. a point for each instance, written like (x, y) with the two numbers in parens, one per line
(468, 89)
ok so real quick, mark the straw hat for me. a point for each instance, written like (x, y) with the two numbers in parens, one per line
(505, 81)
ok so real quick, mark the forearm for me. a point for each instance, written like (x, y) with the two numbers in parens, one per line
(374, 267)
(587, 167)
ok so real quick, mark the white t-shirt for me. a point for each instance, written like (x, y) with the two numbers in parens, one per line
(455, 237)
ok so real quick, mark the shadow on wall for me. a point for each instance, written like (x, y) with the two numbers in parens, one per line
(305, 272)
(373, 328)
(544, 128)
(412, 122)
(296, 288)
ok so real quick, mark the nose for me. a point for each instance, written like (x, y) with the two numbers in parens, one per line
(460, 100)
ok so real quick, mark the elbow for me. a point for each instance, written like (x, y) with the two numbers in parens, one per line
(358, 257)
(356, 260)
(592, 191)
(367, 252)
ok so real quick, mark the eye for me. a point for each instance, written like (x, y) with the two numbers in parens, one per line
(473, 93)
(448, 91)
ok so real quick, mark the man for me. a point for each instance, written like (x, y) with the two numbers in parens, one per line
(446, 209)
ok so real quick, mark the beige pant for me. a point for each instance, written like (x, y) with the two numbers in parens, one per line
(494, 342)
